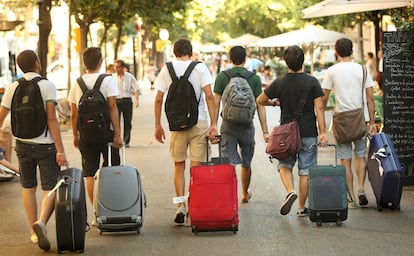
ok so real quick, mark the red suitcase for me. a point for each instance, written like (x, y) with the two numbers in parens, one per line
(212, 202)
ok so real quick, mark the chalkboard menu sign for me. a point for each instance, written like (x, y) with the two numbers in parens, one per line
(398, 79)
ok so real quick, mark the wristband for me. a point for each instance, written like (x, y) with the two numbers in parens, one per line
(60, 154)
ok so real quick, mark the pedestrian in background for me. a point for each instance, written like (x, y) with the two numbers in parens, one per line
(45, 151)
(194, 138)
(128, 88)
(346, 78)
(91, 152)
(289, 90)
(236, 135)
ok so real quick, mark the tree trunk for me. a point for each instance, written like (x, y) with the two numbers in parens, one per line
(45, 26)
(118, 42)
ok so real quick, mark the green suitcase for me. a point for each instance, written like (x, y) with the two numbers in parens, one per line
(328, 193)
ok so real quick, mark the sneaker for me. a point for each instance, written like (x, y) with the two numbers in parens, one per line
(352, 204)
(302, 212)
(33, 239)
(180, 215)
(40, 229)
(362, 198)
(287, 204)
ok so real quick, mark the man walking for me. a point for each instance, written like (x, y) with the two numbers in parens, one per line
(91, 151)
(235, 134)
(347, 79)
(289, 90)
(128, 88)
(45, 151)
(193, 138)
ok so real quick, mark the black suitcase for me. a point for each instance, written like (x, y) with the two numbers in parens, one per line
(328, 193)
(387, 181)
(70, 211)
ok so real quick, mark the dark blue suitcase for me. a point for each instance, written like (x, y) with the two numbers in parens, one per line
(385, 172)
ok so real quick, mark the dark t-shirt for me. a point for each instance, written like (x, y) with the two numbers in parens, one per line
(289, 89)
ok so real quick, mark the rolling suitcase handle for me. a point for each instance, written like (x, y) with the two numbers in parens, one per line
(220, 158)
(336, 151)
(110, 154)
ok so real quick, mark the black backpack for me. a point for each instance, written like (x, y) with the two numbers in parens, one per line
(181, 104)
(28, 113)
(93, 121)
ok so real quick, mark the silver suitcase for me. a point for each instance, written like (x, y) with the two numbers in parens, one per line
(119, 198)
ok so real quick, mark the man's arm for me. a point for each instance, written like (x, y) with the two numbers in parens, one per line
(325, 97)
(113, 113)
(74, 123)
(261, 111)
(54, 130)
(320, 118)
(159, 131)
(372, 129)
(211, 105)
(3, 113)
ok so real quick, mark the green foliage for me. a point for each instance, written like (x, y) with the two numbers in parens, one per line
(404, 21)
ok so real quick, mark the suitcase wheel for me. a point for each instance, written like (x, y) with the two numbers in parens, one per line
(234, 228)
(379, 207)
(194, 230)
(319, 223)
(339, 223)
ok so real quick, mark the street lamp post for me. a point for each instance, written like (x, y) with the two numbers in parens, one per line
(164, 36)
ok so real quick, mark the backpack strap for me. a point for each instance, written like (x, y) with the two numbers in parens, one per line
(97, 85)
(82, 84)
(171, 71)
(190, 69)
(98, 82)
(245, 75)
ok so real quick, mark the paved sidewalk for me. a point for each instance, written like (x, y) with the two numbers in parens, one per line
(262, 231)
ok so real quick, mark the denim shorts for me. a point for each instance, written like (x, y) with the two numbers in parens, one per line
(31, 156)
(360, 149)
(236, 136)
(306, 157)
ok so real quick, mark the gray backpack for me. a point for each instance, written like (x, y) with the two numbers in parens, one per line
(239, 103)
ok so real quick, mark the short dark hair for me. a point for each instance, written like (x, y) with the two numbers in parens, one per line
(238, 55)
(121, 63)
(370, 54)
(343, 47)
(294, 57)
(91, 57)
(27, 61)
(183, 47)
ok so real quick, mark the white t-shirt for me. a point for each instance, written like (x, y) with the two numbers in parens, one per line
(199, 78)
(108, 87)
(48, 91)
(346, 79)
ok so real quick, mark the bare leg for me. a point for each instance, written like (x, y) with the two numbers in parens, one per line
(303, 191)
(179, 179)
(360, 167)
(349, 177)
(89, 187)
(30, 205)
(287, 179)
(246, 174)
(48, 205)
